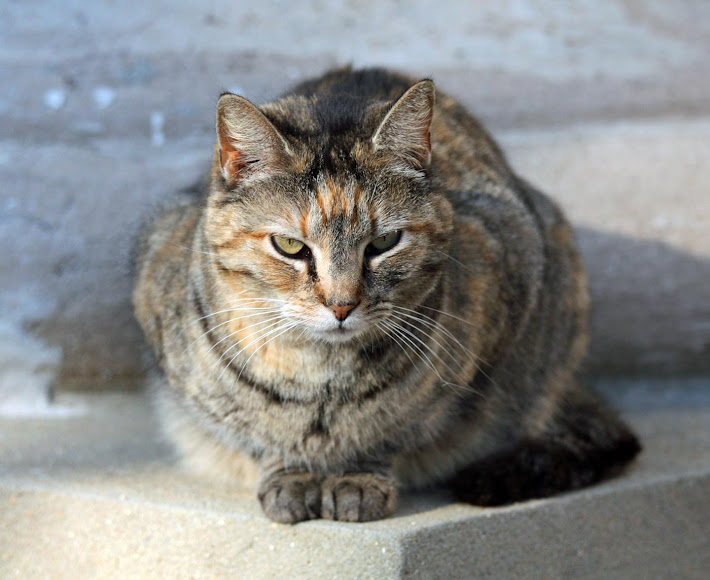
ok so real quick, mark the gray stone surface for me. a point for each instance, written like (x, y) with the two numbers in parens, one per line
(107, 108)
(93, 493)
(605, 104)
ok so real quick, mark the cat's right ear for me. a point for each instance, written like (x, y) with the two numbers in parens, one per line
(404, 132)
(249, 144)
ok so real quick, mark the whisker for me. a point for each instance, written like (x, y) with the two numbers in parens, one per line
(428, 348)
(431, 322)
(423, 355)
(264, 332)
(208, 331)
(231, 303)
(475, 358)
(464, 266)
(396, 340)
(244, 303)
(431, 337)
(237, 343)
(189, 249)
(471, 353)
(288, 327)
(449, 315)
(420, 353)
(277, 317)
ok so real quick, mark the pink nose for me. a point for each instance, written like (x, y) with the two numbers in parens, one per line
(342, 311)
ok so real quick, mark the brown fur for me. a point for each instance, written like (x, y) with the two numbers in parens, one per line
(456, 359)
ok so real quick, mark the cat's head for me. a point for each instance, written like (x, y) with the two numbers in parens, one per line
(323, 208)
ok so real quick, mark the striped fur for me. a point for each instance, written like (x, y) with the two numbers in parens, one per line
(458, 352)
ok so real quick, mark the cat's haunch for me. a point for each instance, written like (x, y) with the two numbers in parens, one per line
(366, 298)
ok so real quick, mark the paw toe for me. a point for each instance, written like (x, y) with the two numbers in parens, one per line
(358, 498)
(291, 498)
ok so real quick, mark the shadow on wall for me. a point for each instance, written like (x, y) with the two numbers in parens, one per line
(651, 316)
(650, 309)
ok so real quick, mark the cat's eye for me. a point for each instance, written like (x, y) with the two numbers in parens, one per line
(383, 243)
(290, 247)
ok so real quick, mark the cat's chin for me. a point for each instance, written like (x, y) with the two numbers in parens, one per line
(339, 335)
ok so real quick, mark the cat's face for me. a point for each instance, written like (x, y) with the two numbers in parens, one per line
(336, 247)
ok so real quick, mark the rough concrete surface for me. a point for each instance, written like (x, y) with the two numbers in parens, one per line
(107, 108)
(98, 495)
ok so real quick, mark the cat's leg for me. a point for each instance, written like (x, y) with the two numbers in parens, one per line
(582, 443)
(199, 451)
(362, 494)
(287, 495)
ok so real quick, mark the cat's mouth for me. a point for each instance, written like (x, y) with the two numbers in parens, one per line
(322, 326)
(340, 333)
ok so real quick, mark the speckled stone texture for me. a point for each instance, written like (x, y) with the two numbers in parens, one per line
(108, 108)
(93, 493)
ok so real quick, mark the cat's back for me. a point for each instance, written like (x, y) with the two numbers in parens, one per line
(369, 84)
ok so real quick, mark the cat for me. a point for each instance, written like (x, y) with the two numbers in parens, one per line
(365, 299)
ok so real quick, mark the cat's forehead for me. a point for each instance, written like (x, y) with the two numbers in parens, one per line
(334, 211)
(335, 197)
(326, 118)
(339, 207)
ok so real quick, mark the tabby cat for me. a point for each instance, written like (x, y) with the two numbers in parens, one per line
(367, 298)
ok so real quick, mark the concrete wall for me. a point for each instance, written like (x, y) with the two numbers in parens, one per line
(603, 103)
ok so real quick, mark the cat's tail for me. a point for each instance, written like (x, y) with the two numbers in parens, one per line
(584, 443)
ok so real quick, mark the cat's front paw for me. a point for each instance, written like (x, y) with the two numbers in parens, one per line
(358, 497)
(291, 497)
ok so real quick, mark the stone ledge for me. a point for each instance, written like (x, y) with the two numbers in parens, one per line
(96, 495)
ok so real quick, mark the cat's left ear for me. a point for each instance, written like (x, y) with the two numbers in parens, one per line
(249, 144)
(404, 132)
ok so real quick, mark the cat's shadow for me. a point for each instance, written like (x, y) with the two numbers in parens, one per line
(650, 306)
(415, 503)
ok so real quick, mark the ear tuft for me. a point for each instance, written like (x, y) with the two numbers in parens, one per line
(404, 132)
(249, 144)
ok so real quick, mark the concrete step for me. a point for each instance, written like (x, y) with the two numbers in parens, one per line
(88, 490)
(517, 63)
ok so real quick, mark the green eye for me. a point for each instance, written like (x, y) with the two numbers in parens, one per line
(289, 247)
(383, 243)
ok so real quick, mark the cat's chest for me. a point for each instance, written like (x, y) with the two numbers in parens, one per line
(311, 403)
(329, 413)
(307, 373)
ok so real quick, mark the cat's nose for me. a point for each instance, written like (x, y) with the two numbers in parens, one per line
(342, 311)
